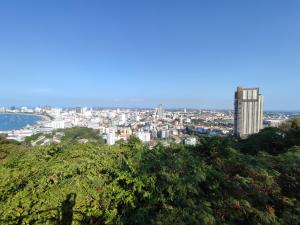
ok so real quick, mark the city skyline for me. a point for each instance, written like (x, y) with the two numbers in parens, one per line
(134, 54)
(151, 112)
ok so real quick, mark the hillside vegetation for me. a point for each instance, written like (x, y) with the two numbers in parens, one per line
(220, 181)
(69, 135)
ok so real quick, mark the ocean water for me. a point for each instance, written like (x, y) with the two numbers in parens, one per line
(16, 121)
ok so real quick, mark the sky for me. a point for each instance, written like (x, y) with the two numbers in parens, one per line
(133, 53)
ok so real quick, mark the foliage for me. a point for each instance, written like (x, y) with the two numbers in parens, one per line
(77, 133)
(216, 182)
(7, 147)
(274, 140)
(34, 137)
(71, 135)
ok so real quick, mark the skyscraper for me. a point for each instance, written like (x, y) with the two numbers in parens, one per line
(248, 111)
(160, 111)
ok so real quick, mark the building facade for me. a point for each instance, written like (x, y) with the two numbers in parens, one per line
(160, 111)
(248, 111)
(111, 138)
(144, 136)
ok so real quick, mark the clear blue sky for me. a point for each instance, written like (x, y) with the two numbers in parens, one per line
(143, 53)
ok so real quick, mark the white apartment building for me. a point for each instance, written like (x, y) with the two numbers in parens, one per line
(111, 138)
(144, 136)
(248, 115)
(58, 124)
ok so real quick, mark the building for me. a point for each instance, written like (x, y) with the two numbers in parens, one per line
(124, 132)
(79, 110)
(248, 111)
(93, 124)
(144, 136)
(122, 119)
(111, 138)
(190, 141)
(273, 122)
(58, 124)
(160, 111)
(164, 134)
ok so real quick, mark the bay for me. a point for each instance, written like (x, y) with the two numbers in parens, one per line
(10, 121)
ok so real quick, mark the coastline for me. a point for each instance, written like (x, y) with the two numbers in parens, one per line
(44, 117)
(39, 116)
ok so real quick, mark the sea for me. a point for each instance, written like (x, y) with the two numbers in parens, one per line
(11, 121)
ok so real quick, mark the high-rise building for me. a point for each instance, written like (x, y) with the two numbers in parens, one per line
(111, 138)
(79, 110)
(160, 111)
(248, 111)
(122, 119)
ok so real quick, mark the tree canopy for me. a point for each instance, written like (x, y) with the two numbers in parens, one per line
(223, 180)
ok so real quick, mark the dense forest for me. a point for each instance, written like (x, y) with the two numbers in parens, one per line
(223, 180)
